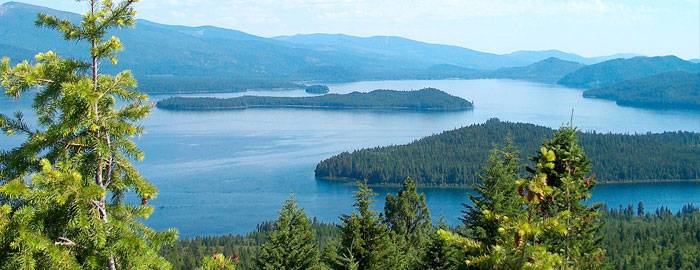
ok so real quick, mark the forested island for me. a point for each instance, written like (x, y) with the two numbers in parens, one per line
(428, 99)
(455, 158)
(317, 89)
(676, 89)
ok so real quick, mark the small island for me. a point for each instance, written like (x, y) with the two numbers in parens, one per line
(428, 99)
(317, 89)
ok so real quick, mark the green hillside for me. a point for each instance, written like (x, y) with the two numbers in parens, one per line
(455, 158)
(549, 70)
(618, 70)
(668, 90)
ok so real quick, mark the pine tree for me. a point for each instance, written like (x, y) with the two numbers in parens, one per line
(291, 244)
(640, 209)
(497, 198)
(407, 214)
(365, 240)
(560, 183)
(79, 155)
(408, 217)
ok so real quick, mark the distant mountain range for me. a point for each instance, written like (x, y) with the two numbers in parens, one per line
(185, 59)
(535, 56)
(176, 59)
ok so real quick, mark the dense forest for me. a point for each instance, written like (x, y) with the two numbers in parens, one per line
(454, 158)
(668, 90)
(188, 253)
(657, 239)
(619, 70)
(633, 237)
(425, 99)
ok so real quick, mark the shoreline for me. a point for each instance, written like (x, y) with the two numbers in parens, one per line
(349, 181)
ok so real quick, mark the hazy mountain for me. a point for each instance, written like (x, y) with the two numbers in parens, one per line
(677, 89)
(618, 70)
(549, 70)
(170, 58)
(163, 51)
(405, 50)
(599, 59)
(536, 56)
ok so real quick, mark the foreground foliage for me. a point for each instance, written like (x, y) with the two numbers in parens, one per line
(63, 191)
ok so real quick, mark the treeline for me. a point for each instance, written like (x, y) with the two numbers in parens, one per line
(454, 158)
(424, 99)
(633, 237)
(188, 253)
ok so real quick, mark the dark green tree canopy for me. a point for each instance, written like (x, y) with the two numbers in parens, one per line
(292, 243)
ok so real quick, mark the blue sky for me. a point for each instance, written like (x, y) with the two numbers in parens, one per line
(586, 27)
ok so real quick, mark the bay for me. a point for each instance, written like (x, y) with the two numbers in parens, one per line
(224, 172)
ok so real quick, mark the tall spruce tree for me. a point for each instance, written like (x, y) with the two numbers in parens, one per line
(365, 240)
(73, 212)
(408, 217)
(407, 214)
(497, 199)
(292, 242)
(558, 185)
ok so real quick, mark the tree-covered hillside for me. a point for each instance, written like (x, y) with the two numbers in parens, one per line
(618, 70)
(549, 70)
(454, 158)
(424, 99)
(676, 89)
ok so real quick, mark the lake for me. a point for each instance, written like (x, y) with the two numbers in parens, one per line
(223, 172)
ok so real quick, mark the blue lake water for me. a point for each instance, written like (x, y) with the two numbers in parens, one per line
(224, 172)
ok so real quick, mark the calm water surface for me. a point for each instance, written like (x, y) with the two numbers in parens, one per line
(226, 171)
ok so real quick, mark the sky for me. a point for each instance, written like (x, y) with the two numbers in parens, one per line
(585, 27)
